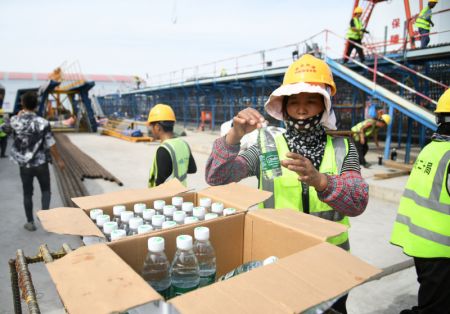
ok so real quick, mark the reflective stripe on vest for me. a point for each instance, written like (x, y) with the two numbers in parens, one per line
(422, 226)
(421, 22)
(179, 153)
(368, 132)
(355, 35)
(287, 189)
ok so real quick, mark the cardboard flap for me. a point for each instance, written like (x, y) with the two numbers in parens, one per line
(291, 285)
(238, 195)
(172, 187)
(68, 220)
(307, 224)
(95, 278)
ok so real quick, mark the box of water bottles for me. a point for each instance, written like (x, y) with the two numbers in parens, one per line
(259, 261)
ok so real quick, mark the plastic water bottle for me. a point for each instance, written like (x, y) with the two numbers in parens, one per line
(229, 211)
(109, 227)
(205, 202)
(134, 224)
(101, 219)
(177, 201)
(124, 220)
(187, 208)
(118, 234)
(158, 205)
(269, 159)
(147, 214)
(157, 221)
(178, 217)
(190, 220)
(168, 224)
(247, 267)
(394, 154)
(168, 211)
(139, 209)
(156, 269)
(93, 213)
(199, 212)
(210, 216)
(184, 269)
(144, 229)
(206, 256)
(117, 210)
(217, 208)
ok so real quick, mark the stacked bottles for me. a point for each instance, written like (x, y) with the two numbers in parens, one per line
(144, 229)
(199, 212)
(177, 201)
(139, 209)
(205, 202)
(157, 221)
(108, 228)
(217, 208)
(134, 224)
(168, 211)
(206, 256)
(101, 219)
(156, 269)
(187, 208)
(184, 269)
(117, 210)
(147, 214)
(93, 213)
(125, 219)
(158, 205)
(118, 234)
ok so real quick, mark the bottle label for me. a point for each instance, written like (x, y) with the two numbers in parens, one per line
(269, 161)
(176, 291)
(207, 280)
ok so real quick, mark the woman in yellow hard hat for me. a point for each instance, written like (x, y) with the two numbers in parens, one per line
(320, 175)
(173, 158)
(354, 35)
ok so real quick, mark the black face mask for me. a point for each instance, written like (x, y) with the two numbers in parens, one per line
(303, 125)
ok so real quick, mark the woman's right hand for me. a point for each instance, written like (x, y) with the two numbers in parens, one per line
(244, 122)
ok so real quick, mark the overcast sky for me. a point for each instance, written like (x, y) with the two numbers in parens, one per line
(137, 37)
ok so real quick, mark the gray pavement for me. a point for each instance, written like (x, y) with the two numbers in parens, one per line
(130, 162)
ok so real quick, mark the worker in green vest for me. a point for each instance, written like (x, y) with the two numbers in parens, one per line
(173, 158)
(4, 128)
(319, 173)
(422, 226)
(366, 129)
(355, 35)
(424, 23)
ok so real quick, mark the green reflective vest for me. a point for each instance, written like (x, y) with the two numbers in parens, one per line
(179, 153)
(423, 19)
(422, 226)
(358, 34)
(2, 121)
(368, 132)
(287, 190)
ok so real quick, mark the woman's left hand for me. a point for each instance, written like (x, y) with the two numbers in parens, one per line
(307, 173)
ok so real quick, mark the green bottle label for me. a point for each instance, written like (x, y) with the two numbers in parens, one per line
(176, 291)
(207, 280)
(269, 161)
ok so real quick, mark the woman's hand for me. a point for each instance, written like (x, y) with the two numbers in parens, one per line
(244, 122)
(305, 170)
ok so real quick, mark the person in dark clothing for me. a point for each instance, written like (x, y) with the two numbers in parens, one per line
(4, 130)
(355, 35)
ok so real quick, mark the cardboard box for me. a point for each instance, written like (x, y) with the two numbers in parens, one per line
(105, 278)
(76, 221)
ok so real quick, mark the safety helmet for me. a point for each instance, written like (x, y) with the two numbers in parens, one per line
(358, 10)
(386, 118)
(433, 1)
(161, 112)
(1, 111)
(443, 105)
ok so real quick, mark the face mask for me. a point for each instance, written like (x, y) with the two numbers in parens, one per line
(303, 125)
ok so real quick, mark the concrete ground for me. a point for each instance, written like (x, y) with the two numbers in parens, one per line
(130, 162)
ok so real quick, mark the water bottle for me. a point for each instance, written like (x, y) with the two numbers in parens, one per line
(206, 256)
(158, 205)
(93, 213)
(144, 229)
(178, 217)
(156, 271)
(168, 224)
(184, 269)
(247, 267)
(269, 159)
(147, 214)
(210, 216)
(199, 212)
(109, 227)
(205, 202)
(118, 234)
(117, 210)
(101, 219)
(394, 154)
(157, 221)
(190, 220)
(177, 201)
(229, 211)
(168, 211)
(187, 208)
(124, 220)
(134, 224)
(217, 208)
(139, 209)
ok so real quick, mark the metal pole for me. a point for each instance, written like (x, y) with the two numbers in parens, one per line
(387, 146)
(408, 141)
(385, 39)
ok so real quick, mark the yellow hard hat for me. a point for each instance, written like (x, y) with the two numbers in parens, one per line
(161, 112)
(358, 10)
(386, 118)
(443, 105)
(1, 111)
(433, 1)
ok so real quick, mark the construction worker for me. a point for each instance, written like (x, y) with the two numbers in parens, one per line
(4, 130)
(424, 23)
(355, 35)
(422, 226)
(173, 158)
(366, 129)
(320, 174)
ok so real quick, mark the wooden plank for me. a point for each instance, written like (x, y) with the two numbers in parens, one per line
(397, 165)
(125, 137)
(388, 175)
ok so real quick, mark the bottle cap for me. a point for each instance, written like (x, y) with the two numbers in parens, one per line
(148, 213)
(118, 209)
(199, 212)
(169, 224)
(190, 220)
(168, 210)
(156, 244)
(139, 208)
(118, 234)
(109, 226)
(178, 216)
(159, 204)
(135, 222)
(270, 260)
(201, 233)
(144, 229)
(229, 211)
(157, 220)
(101, 219)
(184, 242)
(126, 215)
(217, 208)
(205, 202)
(209, 216)
(187, 207)
(93, 213)
(177, 201)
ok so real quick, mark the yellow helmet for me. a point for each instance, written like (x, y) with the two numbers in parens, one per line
(386, 118)
(443, 105)
(1, 111)
(433, 1)
(161, 112)
(358, 10)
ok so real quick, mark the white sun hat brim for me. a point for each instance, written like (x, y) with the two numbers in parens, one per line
(274, 105)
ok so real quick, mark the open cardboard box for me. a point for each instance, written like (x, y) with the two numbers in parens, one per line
(104, 278)
(76, 221)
